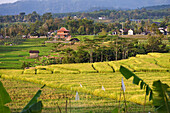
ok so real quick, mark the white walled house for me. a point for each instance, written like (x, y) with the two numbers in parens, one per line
(102, 18)
(130, 32)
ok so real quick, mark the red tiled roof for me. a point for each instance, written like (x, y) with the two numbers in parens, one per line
(63, 29)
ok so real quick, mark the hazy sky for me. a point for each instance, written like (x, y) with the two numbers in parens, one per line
(7, 1)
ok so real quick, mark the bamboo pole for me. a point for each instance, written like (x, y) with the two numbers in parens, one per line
(144, 104)
(58, 107)
(70, 104)
(119, 100)
(125, 102)
(66, 103)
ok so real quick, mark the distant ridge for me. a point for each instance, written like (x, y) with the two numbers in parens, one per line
(158, 7)
(66, 6)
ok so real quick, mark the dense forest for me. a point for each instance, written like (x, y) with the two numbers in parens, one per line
(114, 15)
(121, 15)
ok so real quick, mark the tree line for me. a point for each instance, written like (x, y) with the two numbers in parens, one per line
(115, 15)
(77, 26)
(95, 50)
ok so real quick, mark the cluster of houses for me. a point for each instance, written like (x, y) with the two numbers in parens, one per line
(63, 33)
(125, 31)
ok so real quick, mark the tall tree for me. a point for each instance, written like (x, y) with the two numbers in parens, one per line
(91, 45)
(155, 44)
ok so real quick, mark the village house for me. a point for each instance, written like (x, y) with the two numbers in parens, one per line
(114, 33)
(144, 33)
(163, 31)
(75, 39)
(102, 18)
(34, 37)
(7, 36)
(24, 36)
(135, 20)
(166, 30)
(63, 33)
(130, 32)
(75, 17)
(34, 53)
(123, 31)
(1, 36)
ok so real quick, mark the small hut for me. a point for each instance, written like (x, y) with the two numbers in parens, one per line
(34, 53)
(75, 39)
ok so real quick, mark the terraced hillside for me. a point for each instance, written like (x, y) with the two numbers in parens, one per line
(153, 62)
(92, 76)
(12, 57)
(21, 92)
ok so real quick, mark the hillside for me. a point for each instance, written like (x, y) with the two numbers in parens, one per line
(100, 81)
(65, 6)
(152, 62)
(93, 76)
(159, 7)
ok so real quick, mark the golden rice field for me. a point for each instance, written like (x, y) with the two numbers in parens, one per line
(92, 76)
(22, 92)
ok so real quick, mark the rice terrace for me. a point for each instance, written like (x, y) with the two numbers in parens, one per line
(84, 56)
(97, 85)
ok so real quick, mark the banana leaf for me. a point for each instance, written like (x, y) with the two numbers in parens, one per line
(126, 73)
(161, 96)
(4, 99)
(116, 110)
(33, 106)
(142, 84)
(136, 80)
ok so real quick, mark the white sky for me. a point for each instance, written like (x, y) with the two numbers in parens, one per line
(7, 1)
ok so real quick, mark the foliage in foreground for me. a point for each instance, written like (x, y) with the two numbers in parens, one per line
(32, 107)
(136, 80)
(160, 94)
(161, 97)
(4, 98)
